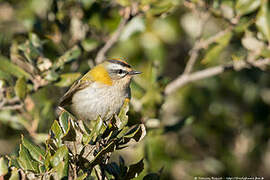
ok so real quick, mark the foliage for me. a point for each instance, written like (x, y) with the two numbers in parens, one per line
(72, 150)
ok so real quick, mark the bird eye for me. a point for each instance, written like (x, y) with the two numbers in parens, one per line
(120, 71)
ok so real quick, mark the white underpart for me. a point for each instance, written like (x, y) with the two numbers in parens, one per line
(97, 99)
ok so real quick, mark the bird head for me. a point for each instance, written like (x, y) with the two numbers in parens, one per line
(113, 72)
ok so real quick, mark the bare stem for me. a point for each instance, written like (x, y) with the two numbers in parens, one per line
(213, 71)
(128, 15)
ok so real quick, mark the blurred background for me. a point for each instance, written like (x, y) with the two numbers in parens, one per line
(213, 126)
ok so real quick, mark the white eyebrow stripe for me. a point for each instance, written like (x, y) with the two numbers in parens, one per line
(116, 66)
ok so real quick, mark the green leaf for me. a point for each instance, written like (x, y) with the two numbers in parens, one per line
(5, 76)
(60, 155)
(160, 8)
(13, 161)
(263, 19)
(25, 161)
(34, 39)
(36, 152)
(56, 129)
(57, 132)
(14, 174)
(132, 132)
(47, 158)
(214, 52)
(123, 118)
(8, 67)
(64, 122)
(60, 170)
(89, 44)
(70, 55)
(81, 176)
(246, 6)
(3, 167)
(51, 76)
(123, 132)
(98, 129)
(67, 127)
(21, 88)
(42, 168)
(67, 79)
(98, 158)
(137, 133)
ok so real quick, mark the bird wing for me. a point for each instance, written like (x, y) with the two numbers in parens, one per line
(78, 85)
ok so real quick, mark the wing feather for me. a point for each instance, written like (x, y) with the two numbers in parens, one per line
(78, 85)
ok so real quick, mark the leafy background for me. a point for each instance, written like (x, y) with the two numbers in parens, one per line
(214, 126)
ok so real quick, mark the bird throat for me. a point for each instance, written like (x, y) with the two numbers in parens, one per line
(100, 74)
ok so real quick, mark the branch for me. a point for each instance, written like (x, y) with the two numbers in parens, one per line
(200, 43)
(12, 104)
(194, 52)
(209, 72)
(128, 15)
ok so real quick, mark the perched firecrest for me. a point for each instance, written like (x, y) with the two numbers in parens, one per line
(101, 91)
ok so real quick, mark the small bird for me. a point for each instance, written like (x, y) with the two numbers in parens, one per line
(101, 91)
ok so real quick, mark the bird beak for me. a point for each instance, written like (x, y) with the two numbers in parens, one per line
(134, 72)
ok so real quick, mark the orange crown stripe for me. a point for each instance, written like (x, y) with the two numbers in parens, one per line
(119, 61)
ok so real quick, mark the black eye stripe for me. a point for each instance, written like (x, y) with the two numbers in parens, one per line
(118, 71)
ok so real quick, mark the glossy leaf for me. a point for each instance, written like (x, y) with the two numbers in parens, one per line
(98, 158)
(99, 128)
(60, 155)
(82, 176)
(64, 122)
(36, 152)
(13, 161)
(3, 167)
(135, 169)
(25, 161)
(60, 171)
(123, 118)
(57, 132)
(14, 174)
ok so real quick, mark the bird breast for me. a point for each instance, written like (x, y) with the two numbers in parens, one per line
(97, 99)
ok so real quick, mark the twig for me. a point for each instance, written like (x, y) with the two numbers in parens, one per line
(194, 52)
(13, 107)
(115, 36)
(202, 44)
(12, 104)
(205, 43)
(209, 72)
(202, 4)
